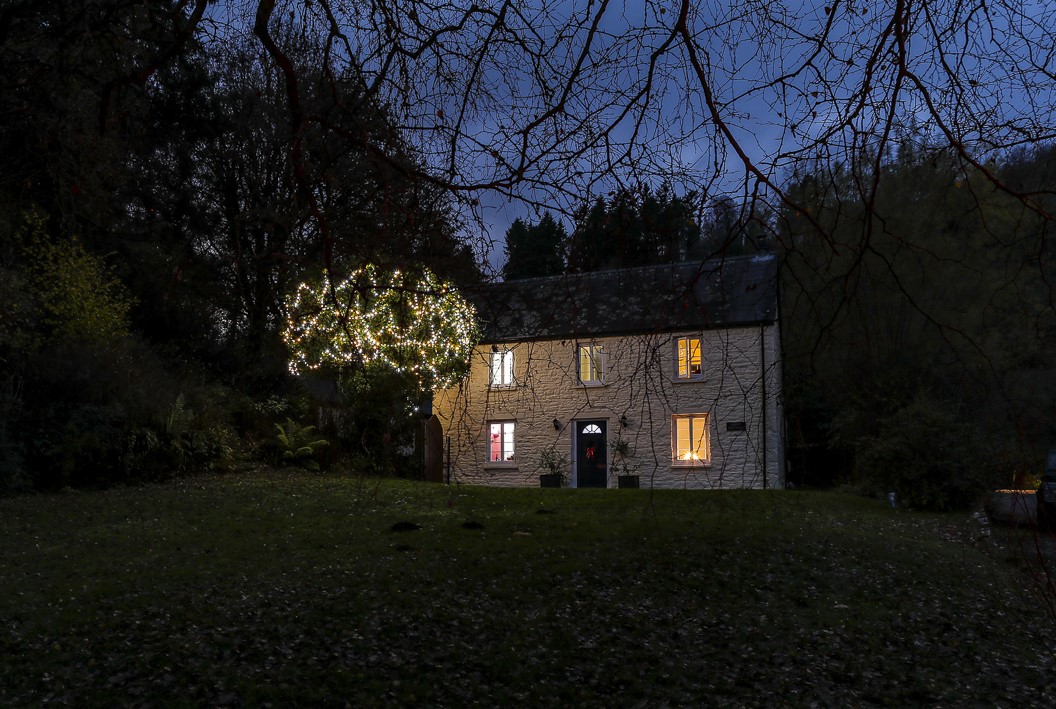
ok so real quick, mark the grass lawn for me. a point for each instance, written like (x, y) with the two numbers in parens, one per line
(293, 589)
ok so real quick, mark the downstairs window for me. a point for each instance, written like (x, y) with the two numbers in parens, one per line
(689, 434)
(500, 442)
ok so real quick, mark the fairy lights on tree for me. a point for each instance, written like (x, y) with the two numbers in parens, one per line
(412, 322)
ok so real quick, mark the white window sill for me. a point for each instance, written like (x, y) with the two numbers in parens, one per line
(591, 385)
(691, 464)
(500, 465)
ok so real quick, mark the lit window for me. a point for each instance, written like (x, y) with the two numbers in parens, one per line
(690, 434)
(689, 360)
(500, 442)
(591, 363)
(501, 369)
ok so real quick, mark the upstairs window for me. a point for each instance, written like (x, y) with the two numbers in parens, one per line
(501, 369)
(591, 364)
(689, 434)
(687, 353)
(500, 441)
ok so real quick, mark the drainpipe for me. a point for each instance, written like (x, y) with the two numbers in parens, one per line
(448, 451)
(762, 360)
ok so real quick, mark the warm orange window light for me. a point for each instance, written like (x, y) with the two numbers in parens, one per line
(689, 359)
(691, 439)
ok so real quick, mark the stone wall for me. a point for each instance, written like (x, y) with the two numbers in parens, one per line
(639, 386)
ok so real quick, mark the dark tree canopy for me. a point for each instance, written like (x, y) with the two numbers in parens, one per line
(636, 228)
(946, 303)
(735, 229)
(534, 250)
(141, 146)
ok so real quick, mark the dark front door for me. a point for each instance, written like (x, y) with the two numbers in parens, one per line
(591, 468)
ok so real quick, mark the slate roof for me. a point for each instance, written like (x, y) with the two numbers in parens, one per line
(670, 297)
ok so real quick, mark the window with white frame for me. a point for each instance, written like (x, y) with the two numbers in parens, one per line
(591, 363)
(690, 363)
(500, 442)
(501, 369)
(689, 439)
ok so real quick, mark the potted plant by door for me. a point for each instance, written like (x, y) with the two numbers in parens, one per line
(626, 474)
(554, 467)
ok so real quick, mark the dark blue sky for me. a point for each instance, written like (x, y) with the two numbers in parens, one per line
(541, 104)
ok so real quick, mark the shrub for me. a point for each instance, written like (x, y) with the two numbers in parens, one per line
(83, 446)
(80, 297)
(255, 419)
(926, 454)
(299, 444)
(378, 419)
(108, 413)
(182, 443)
(553, 462)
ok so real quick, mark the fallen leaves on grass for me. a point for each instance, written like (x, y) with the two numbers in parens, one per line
(684, 600)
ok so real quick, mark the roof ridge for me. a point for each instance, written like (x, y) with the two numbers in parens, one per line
(673, 265)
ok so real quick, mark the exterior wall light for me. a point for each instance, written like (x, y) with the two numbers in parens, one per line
(557, 425)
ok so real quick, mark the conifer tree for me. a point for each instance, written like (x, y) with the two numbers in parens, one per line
(534, 250)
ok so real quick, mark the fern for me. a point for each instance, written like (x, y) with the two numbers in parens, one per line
(179, 418)
(297, 445)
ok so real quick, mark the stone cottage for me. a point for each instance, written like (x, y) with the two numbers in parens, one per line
(662, 376)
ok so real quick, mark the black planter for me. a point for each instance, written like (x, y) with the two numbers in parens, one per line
(627, 481)
(550, 480)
